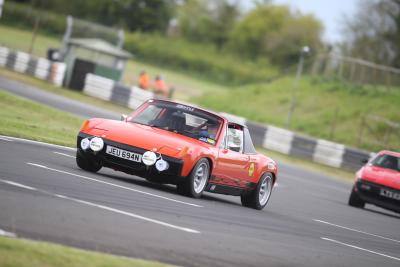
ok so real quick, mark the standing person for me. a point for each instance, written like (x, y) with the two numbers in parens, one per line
(144, 80)
(160, 87)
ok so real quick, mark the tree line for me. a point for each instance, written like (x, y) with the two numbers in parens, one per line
(268, 32)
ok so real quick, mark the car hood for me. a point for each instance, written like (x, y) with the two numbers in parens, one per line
(378, 175)
(146, 137)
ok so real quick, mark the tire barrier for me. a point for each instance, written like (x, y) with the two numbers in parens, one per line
(266, 136)
(40, 68)
(110, 90)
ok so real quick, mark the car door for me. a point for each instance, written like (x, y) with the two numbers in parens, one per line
(232, 166)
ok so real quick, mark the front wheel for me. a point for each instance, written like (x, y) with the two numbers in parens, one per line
(258, 198)
(355, 200)
(195, 183)
(87, 164)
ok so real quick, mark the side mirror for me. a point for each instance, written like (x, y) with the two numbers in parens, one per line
(124, 117)
(364, 161)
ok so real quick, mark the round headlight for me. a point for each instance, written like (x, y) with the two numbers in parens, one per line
(96, 144)
(85, 143)
(161, 165)
(149, 158)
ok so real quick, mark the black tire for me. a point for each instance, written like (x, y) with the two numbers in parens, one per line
(253, 199)
(195, 183)
(355, 200)
(86, 164)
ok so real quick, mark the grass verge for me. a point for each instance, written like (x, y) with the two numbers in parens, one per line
(22, 252)
(26, 119)
(79, 96)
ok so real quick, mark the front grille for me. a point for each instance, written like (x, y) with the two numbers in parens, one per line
(175, 165)
(371, 192)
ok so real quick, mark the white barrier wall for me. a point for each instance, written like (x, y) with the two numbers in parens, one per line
(138, 96)
(278, 139)
(40, 68)
(329, 153)
(99, 87)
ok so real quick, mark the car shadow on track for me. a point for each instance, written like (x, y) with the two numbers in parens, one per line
(163, 187)
(385, 213)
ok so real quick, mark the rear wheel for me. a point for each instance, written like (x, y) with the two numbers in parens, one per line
(355, 200)
(87, 164)
(258, 198)
(195, 183)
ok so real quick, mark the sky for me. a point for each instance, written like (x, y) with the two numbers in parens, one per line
(330, 12)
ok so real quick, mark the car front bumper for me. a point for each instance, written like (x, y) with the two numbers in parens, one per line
(379, 195)
(171, 175)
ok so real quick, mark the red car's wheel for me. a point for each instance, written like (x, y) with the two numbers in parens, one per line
(258, 198)
(196, 182)
(86, 164)
(355, 200)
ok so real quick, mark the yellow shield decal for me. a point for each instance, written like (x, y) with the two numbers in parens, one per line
(251, 169)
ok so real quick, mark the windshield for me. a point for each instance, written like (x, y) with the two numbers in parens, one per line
(387, 162)
(181, 119)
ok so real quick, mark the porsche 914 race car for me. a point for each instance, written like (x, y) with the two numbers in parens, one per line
(172, 143)
(378, 182)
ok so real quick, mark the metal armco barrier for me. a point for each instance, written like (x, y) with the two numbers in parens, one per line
(40, 68)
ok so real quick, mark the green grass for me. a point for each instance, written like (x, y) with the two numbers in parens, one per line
(26, 253)
(318, 99)
(27, 119)
(185, 86)
(317, 102)
(21, 40)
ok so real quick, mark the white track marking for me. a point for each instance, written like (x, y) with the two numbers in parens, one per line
(37, 142)
(7, 234)
(358, 231)
(63, 154)
(115, 185)
(18, 185)
(133, 215)
(363, 249)
(130, 214)
(5, 139)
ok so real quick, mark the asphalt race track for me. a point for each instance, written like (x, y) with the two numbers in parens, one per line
(45, 196)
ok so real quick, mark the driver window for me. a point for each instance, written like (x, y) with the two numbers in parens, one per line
(235, 139)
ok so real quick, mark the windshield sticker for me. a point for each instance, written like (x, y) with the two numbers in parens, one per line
(207, 140)
(211, 141)
(185, 107)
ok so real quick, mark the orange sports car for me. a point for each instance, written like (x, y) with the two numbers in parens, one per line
(169, 142)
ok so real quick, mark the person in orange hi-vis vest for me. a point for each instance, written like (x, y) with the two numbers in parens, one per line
(160, 87)
(144, 80)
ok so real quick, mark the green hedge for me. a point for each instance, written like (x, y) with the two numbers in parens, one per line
(23, 16)
(201, 60)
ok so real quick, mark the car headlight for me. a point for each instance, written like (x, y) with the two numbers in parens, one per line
(96, 144)
(149, 158)
(85, 143)
(162, 165)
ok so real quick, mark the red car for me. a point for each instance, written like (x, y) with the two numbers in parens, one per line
(168, 142)
(378, 182)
